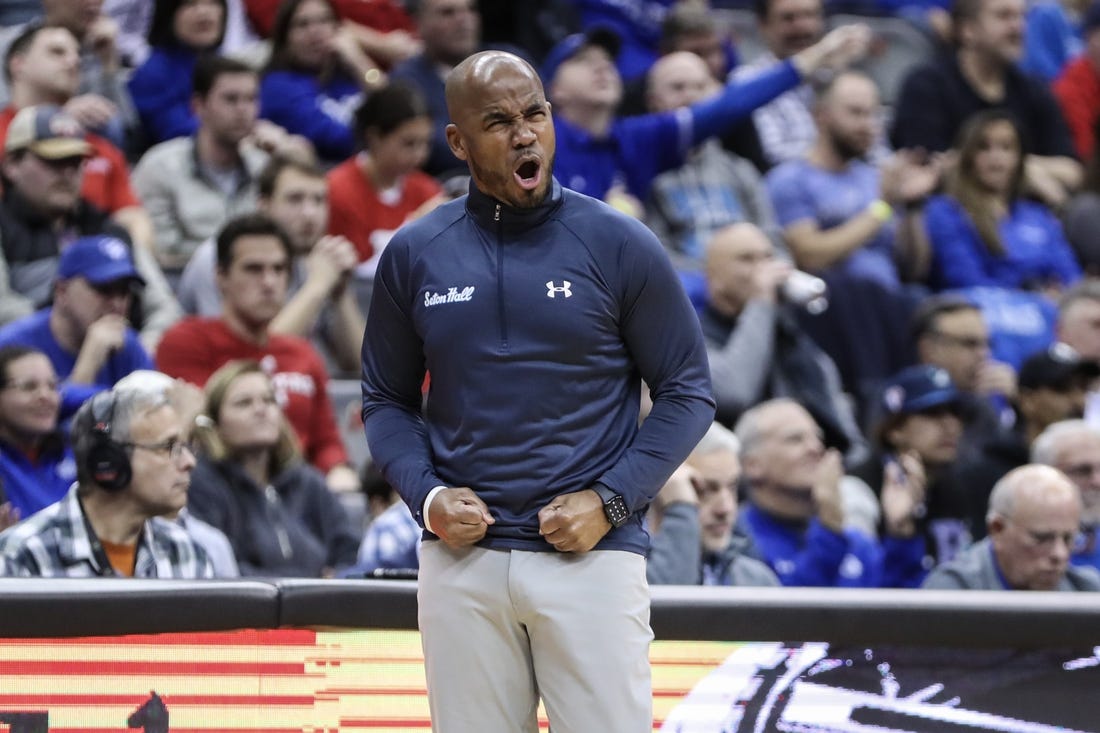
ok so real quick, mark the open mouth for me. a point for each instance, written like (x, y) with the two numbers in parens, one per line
(529, 174)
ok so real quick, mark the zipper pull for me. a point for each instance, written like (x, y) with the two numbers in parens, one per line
(496, 216)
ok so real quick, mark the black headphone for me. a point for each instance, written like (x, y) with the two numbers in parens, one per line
(107, 462)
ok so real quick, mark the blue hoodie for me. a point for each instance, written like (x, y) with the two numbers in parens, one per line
(536, 326)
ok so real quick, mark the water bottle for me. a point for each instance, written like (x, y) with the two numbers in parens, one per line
(803, 289)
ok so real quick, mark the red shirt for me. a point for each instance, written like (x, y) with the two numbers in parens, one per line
(381, 15)
(357, 212)
(106, 182)
(196, 347)
(1078, 93)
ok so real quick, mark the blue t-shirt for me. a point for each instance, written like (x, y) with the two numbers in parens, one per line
(1036, 250)
(34, 331)
(801, 191)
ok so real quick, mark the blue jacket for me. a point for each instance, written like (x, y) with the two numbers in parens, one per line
(813, 555)
(535, 326)
(322, 114)
(637, 149)
(161, 90)
(1036, 249)
(31, 486)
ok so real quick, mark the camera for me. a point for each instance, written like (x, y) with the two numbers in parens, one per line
(805, 290)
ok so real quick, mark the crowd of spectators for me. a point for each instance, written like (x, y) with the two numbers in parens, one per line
(204, 188)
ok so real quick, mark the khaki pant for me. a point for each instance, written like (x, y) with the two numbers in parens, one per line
(501, 628)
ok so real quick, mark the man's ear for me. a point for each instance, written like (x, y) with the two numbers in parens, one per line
(455, 142)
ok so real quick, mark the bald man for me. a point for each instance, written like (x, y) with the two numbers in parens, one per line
(713, 187)
(536, 310)
(756, 348)
(1033, 522)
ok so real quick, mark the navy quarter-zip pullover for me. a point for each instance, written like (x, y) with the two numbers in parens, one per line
(536, 326)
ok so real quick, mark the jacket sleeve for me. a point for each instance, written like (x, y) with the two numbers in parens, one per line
(292, 102)
(739, 368)
(393, 372)
(662, 333)
(739, 98)
(675, 553)
(155, 95)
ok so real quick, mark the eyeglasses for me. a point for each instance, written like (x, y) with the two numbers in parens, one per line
(1046, 539)
(971, 343)
(1081, 471)
(174, 447)
(30, 386)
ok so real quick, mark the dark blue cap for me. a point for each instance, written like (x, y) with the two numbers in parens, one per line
(1058, 368)
(99, 260)
(570, 46)
(1091, 19)
(918, 388)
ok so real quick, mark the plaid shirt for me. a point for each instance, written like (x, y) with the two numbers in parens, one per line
(56, 543)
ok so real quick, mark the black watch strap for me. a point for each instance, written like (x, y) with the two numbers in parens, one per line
(614, 507)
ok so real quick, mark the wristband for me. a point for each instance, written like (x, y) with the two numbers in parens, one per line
(881, 210)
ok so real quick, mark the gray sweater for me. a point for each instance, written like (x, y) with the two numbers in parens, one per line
(676, 556)
(973, 569)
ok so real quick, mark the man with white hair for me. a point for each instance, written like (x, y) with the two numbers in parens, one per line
(1073, 447)
(691, 521)
(1033, 521)
(133, 466)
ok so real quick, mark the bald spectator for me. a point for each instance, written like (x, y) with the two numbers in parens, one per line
(1052, 387)
(598, 154)
(713, 188)
(1078, 324)
(755, 346)
(692, 518)
(1073, 447)
(809, 521)
(1033, 522)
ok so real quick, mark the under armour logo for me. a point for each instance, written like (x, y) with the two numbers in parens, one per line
(552, 290)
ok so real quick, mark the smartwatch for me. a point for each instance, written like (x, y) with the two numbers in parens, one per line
(614, 508)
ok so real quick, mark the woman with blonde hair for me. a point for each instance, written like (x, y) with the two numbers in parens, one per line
(252, 483)
(983, 231)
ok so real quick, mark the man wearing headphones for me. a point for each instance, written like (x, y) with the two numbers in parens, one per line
(133, 466)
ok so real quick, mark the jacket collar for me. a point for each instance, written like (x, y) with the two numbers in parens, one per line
(483, 208)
